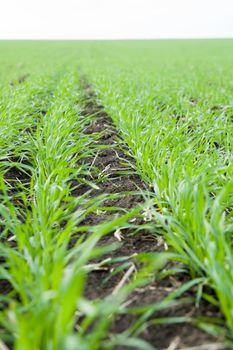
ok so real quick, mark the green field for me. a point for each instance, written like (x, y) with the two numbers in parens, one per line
(116, 186)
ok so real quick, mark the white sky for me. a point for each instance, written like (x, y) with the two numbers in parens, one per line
(115, 19)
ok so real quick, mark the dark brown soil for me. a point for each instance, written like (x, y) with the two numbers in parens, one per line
(21, 79)
(100, 283)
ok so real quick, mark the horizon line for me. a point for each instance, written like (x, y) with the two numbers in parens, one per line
(115, 39)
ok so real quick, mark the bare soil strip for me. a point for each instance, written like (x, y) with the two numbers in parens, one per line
(117, 178)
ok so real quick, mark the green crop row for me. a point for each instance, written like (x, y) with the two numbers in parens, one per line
(47, 251)
(173, 105)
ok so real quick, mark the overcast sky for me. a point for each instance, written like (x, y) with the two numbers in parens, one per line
(115, 19)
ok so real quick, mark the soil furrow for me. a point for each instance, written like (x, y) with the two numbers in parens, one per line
(113, 162)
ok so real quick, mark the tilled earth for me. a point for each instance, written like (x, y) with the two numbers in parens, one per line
(111, 161)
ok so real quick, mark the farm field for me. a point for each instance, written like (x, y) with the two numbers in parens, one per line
(116, 186)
